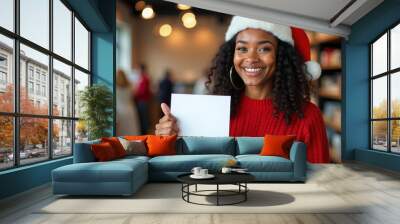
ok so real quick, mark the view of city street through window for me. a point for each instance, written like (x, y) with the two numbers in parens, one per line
(385, 94)
(46, 110)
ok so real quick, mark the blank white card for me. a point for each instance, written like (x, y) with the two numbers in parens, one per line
(201, 115)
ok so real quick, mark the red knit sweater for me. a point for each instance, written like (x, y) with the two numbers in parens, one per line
(255, 118)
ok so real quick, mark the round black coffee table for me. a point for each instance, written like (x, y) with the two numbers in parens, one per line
(238, 179)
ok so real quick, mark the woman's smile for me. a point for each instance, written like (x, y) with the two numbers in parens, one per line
(255, 71)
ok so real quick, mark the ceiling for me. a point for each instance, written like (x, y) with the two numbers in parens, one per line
(169, 8)
(327, 16)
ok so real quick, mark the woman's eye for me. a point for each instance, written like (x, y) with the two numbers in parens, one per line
(241, 49)
(265, 49)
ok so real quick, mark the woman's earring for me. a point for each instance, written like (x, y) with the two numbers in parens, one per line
(231, 78)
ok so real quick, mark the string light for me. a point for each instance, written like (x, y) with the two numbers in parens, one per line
(165, 30)
(183, 7)
(148, 12)
(189, 20)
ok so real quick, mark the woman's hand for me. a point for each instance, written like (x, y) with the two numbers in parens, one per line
(167, 124)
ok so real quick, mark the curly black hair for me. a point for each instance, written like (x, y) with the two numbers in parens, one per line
(291, 89)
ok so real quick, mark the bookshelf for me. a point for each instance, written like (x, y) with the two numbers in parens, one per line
(326, 49)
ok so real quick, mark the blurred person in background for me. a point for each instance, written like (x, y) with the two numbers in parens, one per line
(165, 88)
(142, 95)
(127, 117)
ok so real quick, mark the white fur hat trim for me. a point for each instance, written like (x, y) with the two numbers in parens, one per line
(313, 69)
(239, 23)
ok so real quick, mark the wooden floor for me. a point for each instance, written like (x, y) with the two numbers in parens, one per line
(378, 188)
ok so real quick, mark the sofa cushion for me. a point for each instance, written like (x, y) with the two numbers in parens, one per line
(185, 163)
(111, 171)
(83, 152)
(161, 145)
(206, 145)
(103, 152)
(134, 147)
(132, 158)
(277, 145)
(257, 163)
(249, 145)
(135, 137)
(116, 145)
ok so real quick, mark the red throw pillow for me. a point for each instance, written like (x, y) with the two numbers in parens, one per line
(116, 145)
(103, 152)
(277, 145)
(135, 137)
(161, 145)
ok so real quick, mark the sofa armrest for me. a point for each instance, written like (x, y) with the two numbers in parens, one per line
(83, 152)
(298, 155)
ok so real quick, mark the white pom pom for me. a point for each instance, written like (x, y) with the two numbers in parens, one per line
(313, 69)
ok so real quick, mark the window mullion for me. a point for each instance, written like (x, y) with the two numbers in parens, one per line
(371, 98)
(16, 84)
(73, 83)
(389, 108)
(50, 81)
(89, 53)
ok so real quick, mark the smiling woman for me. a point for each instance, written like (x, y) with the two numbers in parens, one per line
(254, 61)
(266, 70)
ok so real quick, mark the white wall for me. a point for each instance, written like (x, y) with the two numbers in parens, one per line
(187, 52)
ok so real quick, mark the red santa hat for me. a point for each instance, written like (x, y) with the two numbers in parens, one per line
(294, 36)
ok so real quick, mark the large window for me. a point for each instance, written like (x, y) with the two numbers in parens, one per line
(385, 92)
(44, 64)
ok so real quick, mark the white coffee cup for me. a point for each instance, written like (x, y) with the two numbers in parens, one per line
(196, 170)
(226, 170)
(203, 172)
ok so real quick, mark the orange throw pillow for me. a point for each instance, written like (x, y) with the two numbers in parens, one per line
(116, 145)
(161, 145)
(135, 137)
(277, 145)
(103, 152)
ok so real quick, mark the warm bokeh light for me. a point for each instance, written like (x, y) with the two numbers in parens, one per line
(187, 16)
(183, 7)
(165, 30)
(148, 12)
(139, 6)
(190, 24)
(189, 20)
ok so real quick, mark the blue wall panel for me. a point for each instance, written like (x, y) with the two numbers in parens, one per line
(377, 158)
(102, 58)
(103, 52)
(24, 178)
(356, 99)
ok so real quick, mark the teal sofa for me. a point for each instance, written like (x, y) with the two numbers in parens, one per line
(125, 176)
